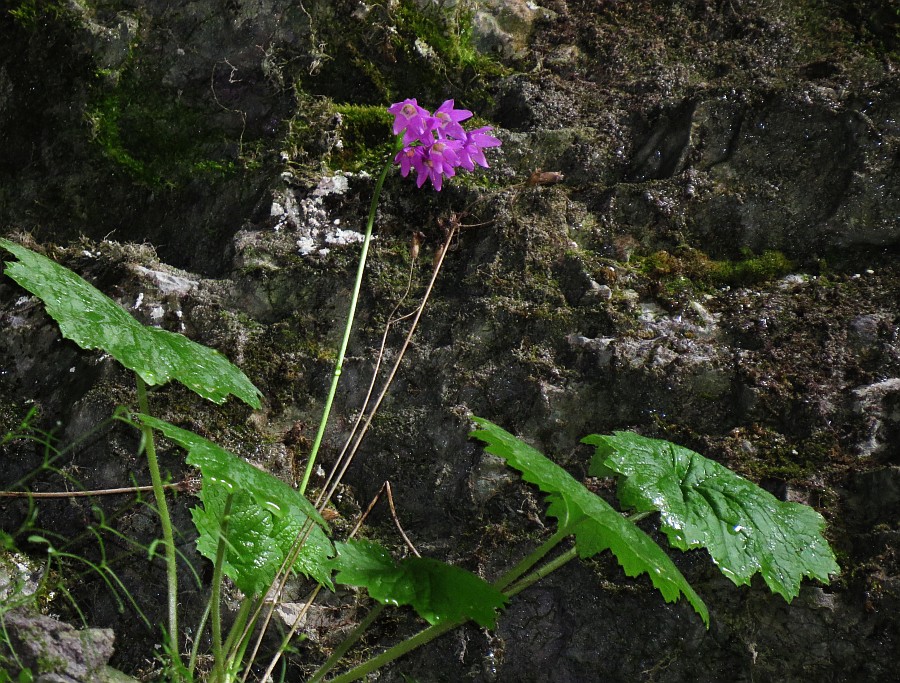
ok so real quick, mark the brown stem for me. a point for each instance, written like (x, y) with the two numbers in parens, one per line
(188, 486)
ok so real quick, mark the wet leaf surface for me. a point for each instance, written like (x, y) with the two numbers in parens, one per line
(704, 504)
(597, 525)
(94, 321)
(438, 591)
(265, 519)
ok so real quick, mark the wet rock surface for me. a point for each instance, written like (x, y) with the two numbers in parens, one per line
(716, 263)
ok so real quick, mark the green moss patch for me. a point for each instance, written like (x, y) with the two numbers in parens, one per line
(156, 139)
(389, 52)
(700, 270)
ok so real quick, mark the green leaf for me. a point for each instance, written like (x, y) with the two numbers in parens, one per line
(257, 540)
(218, 464)
(438, 591)
(596, 525)
(704, 504)
(266, 515)
(94, 321)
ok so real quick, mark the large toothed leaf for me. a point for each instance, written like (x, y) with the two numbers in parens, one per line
(596, 525)
(703, 504)
(256, 540)
(94, 321)
(439, 592)
(265, 519)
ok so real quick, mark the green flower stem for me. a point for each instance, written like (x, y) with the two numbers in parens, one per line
(347, 643)
(165, 522)
(532, 559)
(216, 598)
(354, 299)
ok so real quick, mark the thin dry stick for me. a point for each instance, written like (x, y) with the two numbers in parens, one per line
(321, 502)
(390, 497)
(283, 573)
(386, 486)
(379, 358)
(188, 485)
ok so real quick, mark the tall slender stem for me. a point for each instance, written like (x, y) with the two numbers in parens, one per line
(347, 456)
(351, 314)
(165, 522)
(344, 459)
(216, 598)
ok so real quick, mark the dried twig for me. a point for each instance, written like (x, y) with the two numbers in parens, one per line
(191, 485)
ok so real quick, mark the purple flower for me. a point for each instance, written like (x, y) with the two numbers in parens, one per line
(473, 146)
(409, 116)
(435, 146)
(409, 157)
(438, 162)
(449, 119)
(445, 150)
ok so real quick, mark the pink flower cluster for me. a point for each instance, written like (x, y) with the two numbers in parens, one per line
(436, 145)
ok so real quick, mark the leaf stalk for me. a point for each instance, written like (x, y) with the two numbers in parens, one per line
(165, 521)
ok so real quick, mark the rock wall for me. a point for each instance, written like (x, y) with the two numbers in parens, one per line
(716, 265)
